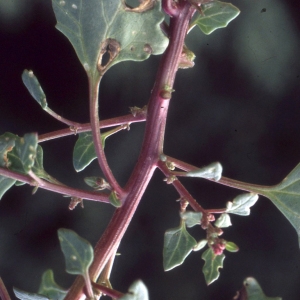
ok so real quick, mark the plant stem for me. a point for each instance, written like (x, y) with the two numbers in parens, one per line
(151, 149)
(61, 189)
(107, 291)
(61, 119)
(94, 118)
(3, 291)
(127, 119)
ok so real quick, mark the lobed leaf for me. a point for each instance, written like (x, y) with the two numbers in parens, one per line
(178, 244)
(191, 218)
(96, 26)
(215, 15)
(212, 264)
(253, 291)
(28, 296)
(137, 291)
(223, 221)
(241, 204)
(50, 288)
(33, 86)
(78, 252)
(84, 151)
(212, 171)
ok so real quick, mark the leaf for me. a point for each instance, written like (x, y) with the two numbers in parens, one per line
(84, 151)
(212, 264)
(231, 247)
(22, 157)
(78, 252)
(215, 15)
(28, 296)
(223, 221)
(200, 245)
(96, 26)
(137, 291)
(191, 218)
(178, 244)
(241, 204)
(34, 88)
(212, 171)
(7, 143)
(5, 184)
(50, 288)
(253, 291)
(97, 183)
(114, 199)
(286, 197)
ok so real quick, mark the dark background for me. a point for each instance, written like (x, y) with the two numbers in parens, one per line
(239, 105)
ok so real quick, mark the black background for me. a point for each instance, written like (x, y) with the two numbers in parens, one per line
(239, 105)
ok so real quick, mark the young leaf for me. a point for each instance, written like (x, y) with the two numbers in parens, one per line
(223, 221)
(178, 244)
(137, 291)
(84, 151)
(191, 218)
(212, 171)
(97, 183)
(22, 157)
(241, 204)
(34, 88)
(124, 34)
(28, 296)
(215, 15)
(78, 252)
(114, 200)
(50, 288)
(200, 245)
(5, 184)
(231, 247)
(212, 264)
(253, 291)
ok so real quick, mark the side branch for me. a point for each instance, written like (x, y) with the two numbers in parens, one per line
(60, 189)
(127, 119)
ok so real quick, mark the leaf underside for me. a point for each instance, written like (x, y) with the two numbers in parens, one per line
(137, 291)
(28, 296)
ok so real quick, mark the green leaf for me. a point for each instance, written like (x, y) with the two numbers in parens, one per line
(50, 288)
(223, 221)
(191, 218)
(286, 197)
(28, 296)
(212, 264)
(96, 26)
(253, 291)
(215, 15)
(34, 88)
(78, 252)
(7, 143)
(137, 291)
(178, 244)
(212, 171)
(22, 157)
(97, 183)
(231, 247)
(200, 245)
(241, 204)
(5, 185)
(114, 199)
(84, 151)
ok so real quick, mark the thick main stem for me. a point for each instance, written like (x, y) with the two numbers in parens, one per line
(151, 149)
